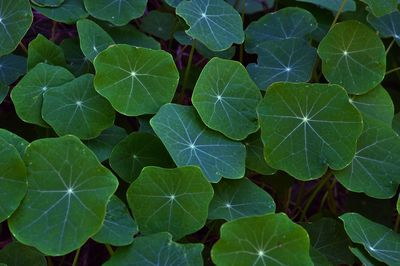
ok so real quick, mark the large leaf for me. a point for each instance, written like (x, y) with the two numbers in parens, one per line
(381, 242)
(19, 143)
(157, 249)
(387, 25)
(11, 68)
(333, 5)
(213, 22)
(65, 201)
(226, 98)
(190, 142)
(27, 96)
(353, 56)
(176, 200)
(308, 127)
(41, 50)
(118, 12)
(380, 8)
(15, 20)
(135, 80)
(68, 12)
(16, 254)
(255, 155)
(271, 239)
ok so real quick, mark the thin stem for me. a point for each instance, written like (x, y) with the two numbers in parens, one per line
(289, 196)
(392, 70)
(187, 71)
(53, 31)
(23, 47)
(390, 46)
(109, 249)
(75, 262)
(338, 13)
(397, 224)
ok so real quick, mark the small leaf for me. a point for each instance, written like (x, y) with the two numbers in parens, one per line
(159, 24)
(41, 50)
(255, 160)
(69, 12)
(387, 25)
(11, 68)
(16, 254)
(19, 143)
(380, 8)
(333, 5)
(47, 3)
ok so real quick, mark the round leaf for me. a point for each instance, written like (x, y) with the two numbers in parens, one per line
(68, 12)
(255, 160)
(387, 25)
(16, 254)
(41, 50)
(11, 68)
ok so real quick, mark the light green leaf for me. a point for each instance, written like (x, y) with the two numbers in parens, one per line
(15, 20)
(190, 142)
(380, 8)
(135, 80)
(226, 98)
(271, 239)
(364, 257)
(387, 25)
(16, 254)
(11, 68)
(65, 201)
(255, 160)
(251, 6)
(353, 56)
(159, 24)
(118, 227)
(307, 128)
(19, 143)
(41, 50)
(333, 5)
(27, 96)
(69, 12)
(215, 23)
(48, 3)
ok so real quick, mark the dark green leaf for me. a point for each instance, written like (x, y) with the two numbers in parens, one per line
(159, 24)
(19, 143)
(333, 5)
(255, 155)
(69, 12)
(41, 50)
(387, 25)
(16, 254)
(380, 8)
(11, 68)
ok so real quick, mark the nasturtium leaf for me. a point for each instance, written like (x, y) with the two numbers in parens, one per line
(48, 3)
(290, 22)
(93, 39)
(76, 108)
(381, 242)
(173, 3)
(27, 96)
(333, 5)
(363, 256)
(15, 20)
(396, 123)
(77, 63)
(353, 56)
(159, 24)
(135, 80)
(286, 60)
(318, 258)
(118, 12)
(387, 25)
(19, 143)
(42, 50)
(255, 160)
(3, 92)
(328, 237)
(307, 128)
(157, 249)
(11, 68)
(226, 98)
(271, 239)
(103, 145)
(65, 201)
(16, 254)
(176, 200)
(251, 6)
(12, 179)
(130, 156)
(380, 8)
(215, 23)
(190, 142)
(398, 205)
(234, 199)
(68, 12)
(118, 227)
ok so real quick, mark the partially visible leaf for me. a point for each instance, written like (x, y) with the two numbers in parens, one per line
(318, 258)
(380, 8)
(387, 25)
(396, 123)
(255, 155)
(159, 24)
(41, 50)
(68, 12)
(251, 6)
(3, 92)
(47, 3)
(364, 257)
(19, 143)
(11, 68)
(333, 5)
(77, 63)
(16, 254)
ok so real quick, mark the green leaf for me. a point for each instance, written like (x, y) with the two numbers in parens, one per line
(293, 23)
(65, 201)
(15, 20)
(78, 64)
(285, 60)
(190, 142)
(12, 179)
(11, 68)
(308, 127)
(387, 25)
(381, 242)
(380, 8)
(130, 156)
(135, 80)
(398, 205)
(353, 56)
(226, 98)
(48, 3)
(27, 96)
(215, 23)
(118, 12)
(255, 160)
(3, 92)
(318, 258)
(16, 254)
(251, 6)
(69, 12)
(176, 200)
(396, 123)
(19, 143)
(41, 50)
(234, 199)
(157, 249)
(118, 227)
(93, 39)
(271, 239)
(75, 108)
(159, 24)
(333, 5)
(364, 257)
(173, 3)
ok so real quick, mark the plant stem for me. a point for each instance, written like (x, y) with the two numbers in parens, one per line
(392, 70)
(23, 47)
(338, 13)
(289, 196)
(109, 249)
(187, 72)
(390, 46)
(397, 224)
(75, 262)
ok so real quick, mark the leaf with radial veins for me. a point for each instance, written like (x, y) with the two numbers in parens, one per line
(130, 156)
(68, 12)
(255, 160)
(42, 50)
(176, 200)
(190, 142)
(157, 249)
(333, 5)
(15, 20)
(307, 128)
(226, 98)
(118, 227)
(19, 143)
(11, 68)
(47, 3)
(353, 56)
(65, 201)
(380, 8)
(234, 199)
(215, 23)
(286, 60)
(387, 25)
(271, 239)
(93, 39)
(293, 23)
(135, 80)
(16, 254)
(76, 108)
(381, 242)
(12, 179)
(118, 12)
(27, 96)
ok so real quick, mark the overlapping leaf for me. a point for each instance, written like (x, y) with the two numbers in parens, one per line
(333, 5)
(251, 6)
(387, 25)
(380, 8)
(11, 68)
(42, 50)
(47, 3)
(3, 92)
(255, 155)
(68, 12)
(16, 254)
(19, 143)
(159, 24)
